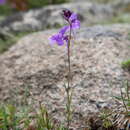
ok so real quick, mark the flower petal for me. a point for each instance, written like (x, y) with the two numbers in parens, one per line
(63, 30)
(2, 2)
(57, 38)
(60, 42)
(73, 17)
(66, 14)
(52, 39)
(76, 24)
(66, 39)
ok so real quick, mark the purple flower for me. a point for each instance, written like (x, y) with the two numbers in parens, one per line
(71, 18)
(66, 14)
(62, 36)
(2, 2)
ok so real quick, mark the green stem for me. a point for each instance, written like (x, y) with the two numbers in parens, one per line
(123, 100)
(69, 80)
(69, 66)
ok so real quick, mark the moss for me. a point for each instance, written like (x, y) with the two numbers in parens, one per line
(126, 64)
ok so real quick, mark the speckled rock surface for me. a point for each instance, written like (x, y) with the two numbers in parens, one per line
(32, 64)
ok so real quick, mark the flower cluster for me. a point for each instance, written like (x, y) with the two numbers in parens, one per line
(73, 23)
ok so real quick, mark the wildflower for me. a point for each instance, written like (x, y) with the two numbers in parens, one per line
(60, 38)
(73, 23)
(71, 18)
(2, 2)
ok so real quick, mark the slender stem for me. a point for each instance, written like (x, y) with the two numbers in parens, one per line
(123, 100)
(69, 66)
(127, 90)
(69, 79)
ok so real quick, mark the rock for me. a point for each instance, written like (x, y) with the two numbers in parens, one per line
(4, 35)
(90, 12)
(97, 31)
(35, 66)
(49, 17)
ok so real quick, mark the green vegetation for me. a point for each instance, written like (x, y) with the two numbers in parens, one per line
(105, 116)
(9, 41)
(127, 8)
(20, 114)
(5, 10)
(128, 35)
(40, 3)
(123, 118)
(104, 1)
(122, 18)
(13, 118)
(115, 118)
(126, 64)
(23, 115)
